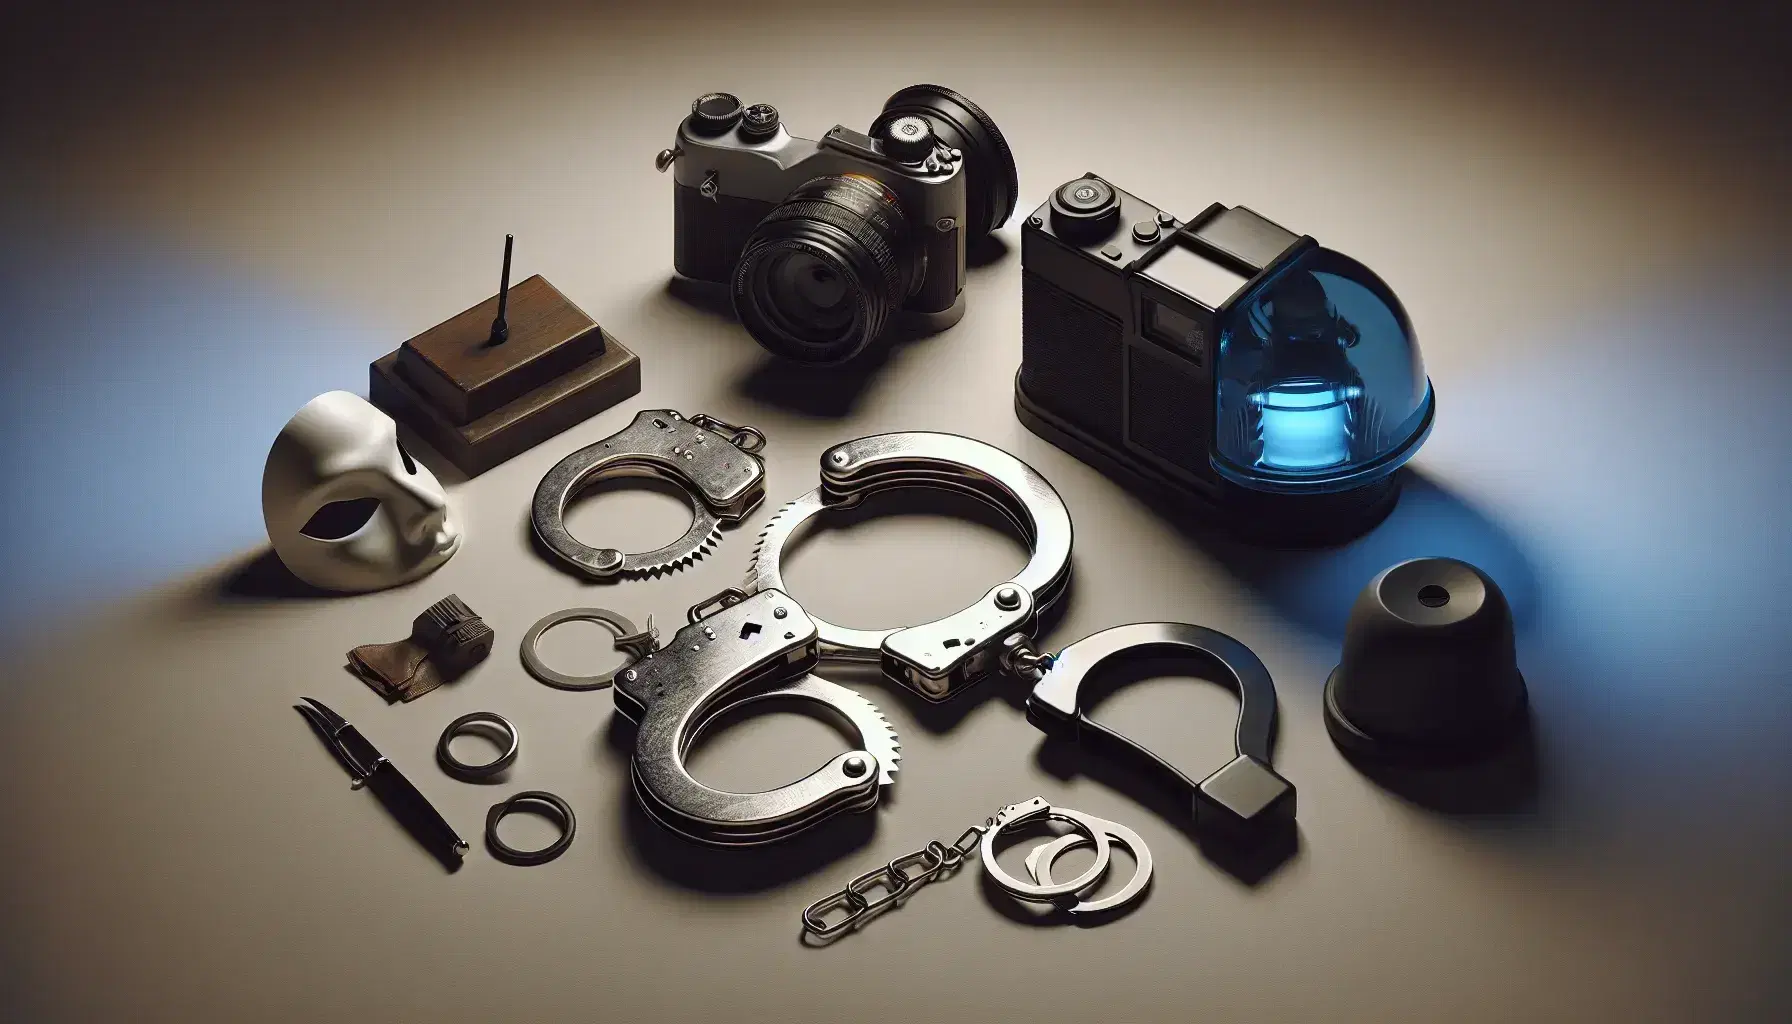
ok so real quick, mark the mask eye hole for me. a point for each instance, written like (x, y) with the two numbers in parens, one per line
(339, 519)
(410, 464)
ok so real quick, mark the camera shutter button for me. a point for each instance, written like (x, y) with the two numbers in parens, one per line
(759, 121)
(909, 139)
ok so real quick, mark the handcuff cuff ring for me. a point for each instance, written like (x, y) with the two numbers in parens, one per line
(637, 644)
(531, 799)
(1034, 810)
(723, 481)
(1039, 865)
(934, 659)
(473, 772)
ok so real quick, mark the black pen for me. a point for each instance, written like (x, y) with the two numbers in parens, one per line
(368, 767)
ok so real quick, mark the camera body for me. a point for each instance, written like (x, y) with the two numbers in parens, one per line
(1223, 363)
(733, 167)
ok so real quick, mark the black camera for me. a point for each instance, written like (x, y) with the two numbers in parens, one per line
(826, 244)
(1223, 362)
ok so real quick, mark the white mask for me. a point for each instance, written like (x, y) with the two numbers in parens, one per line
(342, 453)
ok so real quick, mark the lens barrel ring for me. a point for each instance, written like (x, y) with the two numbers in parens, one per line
(854, 228)
(991, 176)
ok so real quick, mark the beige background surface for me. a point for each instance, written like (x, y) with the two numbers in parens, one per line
(1585, 214)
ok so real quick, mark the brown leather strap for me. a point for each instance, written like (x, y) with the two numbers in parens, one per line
(446, 640)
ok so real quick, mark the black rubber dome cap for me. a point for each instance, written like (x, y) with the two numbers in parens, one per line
(1430, 667)
(992, 182)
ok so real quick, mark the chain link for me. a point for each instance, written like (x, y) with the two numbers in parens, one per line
(895, 882)
(747, 439)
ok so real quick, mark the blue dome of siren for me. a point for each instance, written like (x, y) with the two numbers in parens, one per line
(1319, 384)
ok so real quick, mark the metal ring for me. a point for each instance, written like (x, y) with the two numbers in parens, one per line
(856, 469)
(529, 799)
(468, 772)
(1039, 865)
(616, 622)
(1049, 892)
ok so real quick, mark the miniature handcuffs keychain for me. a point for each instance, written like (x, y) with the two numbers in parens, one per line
(713, 462)
(898, 879)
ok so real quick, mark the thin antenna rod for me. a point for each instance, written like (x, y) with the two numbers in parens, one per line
(501, 328)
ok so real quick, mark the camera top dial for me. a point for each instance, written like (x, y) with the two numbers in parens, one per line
(759, 121)
(1085, 210)
(714, 113)
(909, 139)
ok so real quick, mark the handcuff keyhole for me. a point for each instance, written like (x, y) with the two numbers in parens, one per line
(749, 630)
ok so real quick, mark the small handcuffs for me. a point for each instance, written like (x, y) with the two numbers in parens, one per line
(637, 644)
(473, 772)
(712, 461)
(939, 658)
(535, 800)
(893, 883)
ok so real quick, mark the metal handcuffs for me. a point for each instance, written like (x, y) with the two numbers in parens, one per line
(713, 462)
(740, 647)
(759, 644)
(737, 649)
(939, 658)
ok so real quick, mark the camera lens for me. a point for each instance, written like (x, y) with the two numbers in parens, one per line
(821, 274)
(992, 183)
(1085, 210)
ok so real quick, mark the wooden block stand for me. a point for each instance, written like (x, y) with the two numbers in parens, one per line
(479, 402)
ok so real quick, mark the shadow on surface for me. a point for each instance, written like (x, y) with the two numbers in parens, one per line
(1315, 587)
(263, 577)
(1505, 782)
(986, 251)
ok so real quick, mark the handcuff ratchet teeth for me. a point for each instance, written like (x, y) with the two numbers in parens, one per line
(713, 462)
(940, 658)
(739, 649)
